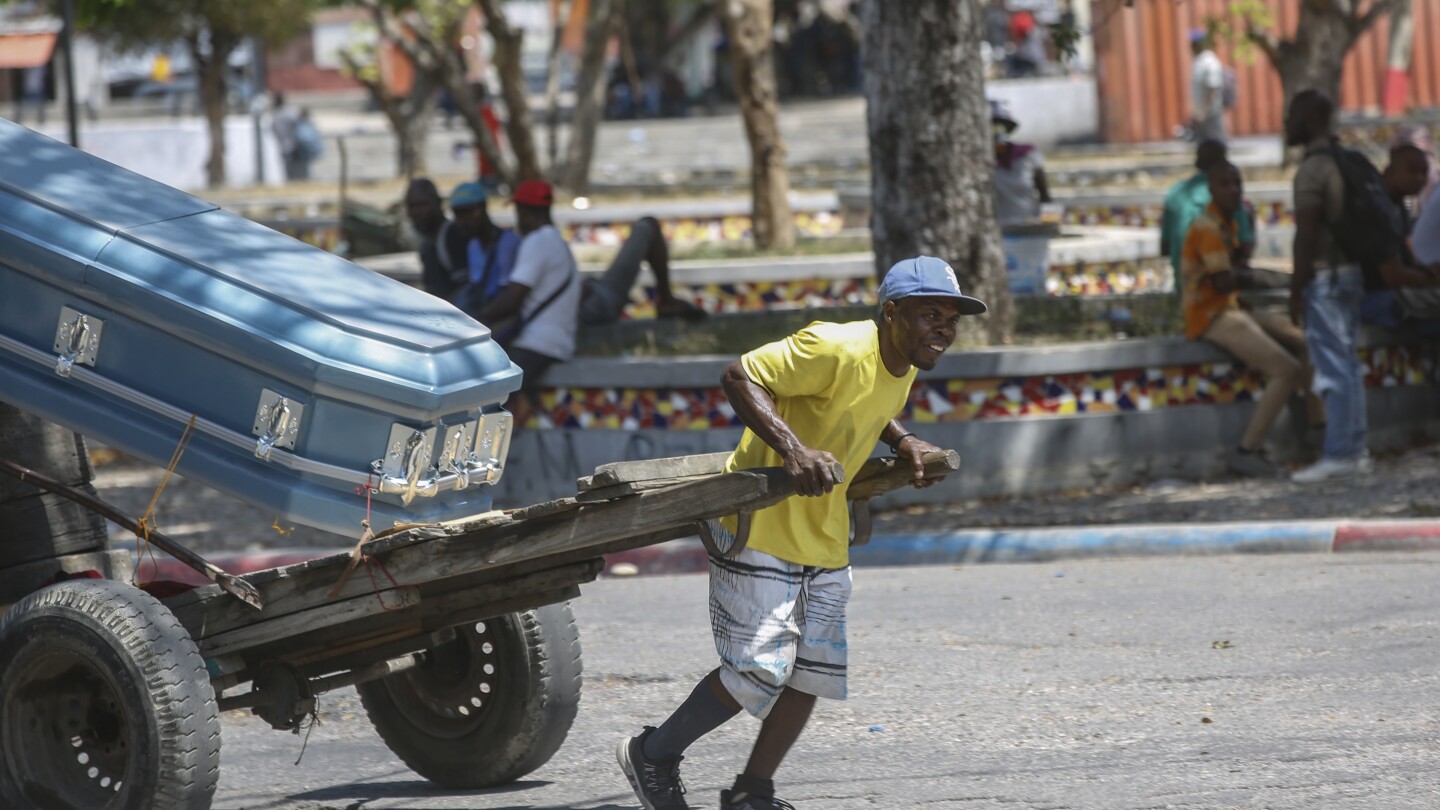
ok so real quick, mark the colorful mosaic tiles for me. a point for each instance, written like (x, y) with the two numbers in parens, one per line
(933, 401)
(690, 230)
(1113, 278)
(1147, 215)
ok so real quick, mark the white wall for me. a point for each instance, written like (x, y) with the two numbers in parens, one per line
(1050, 109)
(175, 152)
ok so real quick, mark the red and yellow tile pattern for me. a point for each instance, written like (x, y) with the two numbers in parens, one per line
(932, 401)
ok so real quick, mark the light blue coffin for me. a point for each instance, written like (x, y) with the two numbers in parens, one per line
(127, 308)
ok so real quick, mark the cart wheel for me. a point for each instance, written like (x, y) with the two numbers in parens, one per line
(107, 704)
(488, 707)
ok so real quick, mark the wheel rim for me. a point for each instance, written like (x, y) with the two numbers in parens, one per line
(65, 732)
(454, 690)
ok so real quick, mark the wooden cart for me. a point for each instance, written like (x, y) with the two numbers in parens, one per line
(458, 637)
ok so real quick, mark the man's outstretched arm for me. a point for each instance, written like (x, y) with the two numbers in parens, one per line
(808, 468)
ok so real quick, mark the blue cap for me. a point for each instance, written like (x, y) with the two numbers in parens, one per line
(1199, 35)
(926, 276)
(467, 194)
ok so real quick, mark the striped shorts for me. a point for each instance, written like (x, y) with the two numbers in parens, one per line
(778, 624)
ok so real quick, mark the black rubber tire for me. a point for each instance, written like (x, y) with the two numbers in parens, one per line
(107, 704)
(429, 716)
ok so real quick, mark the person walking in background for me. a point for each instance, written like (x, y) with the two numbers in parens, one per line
(1213, 268)
(1188, 199)
(1019, 171)
(777, 608)
(284, 121)
(309, 146)
(1207, 89)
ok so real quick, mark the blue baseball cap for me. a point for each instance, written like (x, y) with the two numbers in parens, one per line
(930, 277)
(466, 195)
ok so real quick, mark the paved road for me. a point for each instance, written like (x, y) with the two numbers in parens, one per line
(1278, 682)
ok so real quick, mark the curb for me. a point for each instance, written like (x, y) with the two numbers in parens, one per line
(974, 547)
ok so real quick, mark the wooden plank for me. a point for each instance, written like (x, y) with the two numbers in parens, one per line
(587, 526)
(633, 488)
(624, 472)
(310, 621)
(545, 509)
(445, 609)
(881, 475)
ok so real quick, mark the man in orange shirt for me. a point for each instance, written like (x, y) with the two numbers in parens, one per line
(1211, 266)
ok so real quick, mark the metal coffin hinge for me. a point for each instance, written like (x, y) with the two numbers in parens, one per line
(77, 340)
(277, 423)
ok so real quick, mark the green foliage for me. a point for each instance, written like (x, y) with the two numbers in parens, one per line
(138, 24)
(1065, 35)
(1234, 27)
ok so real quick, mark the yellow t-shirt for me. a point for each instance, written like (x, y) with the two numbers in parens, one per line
(831, 387)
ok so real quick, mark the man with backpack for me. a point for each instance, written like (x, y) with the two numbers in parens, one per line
(1345, 226)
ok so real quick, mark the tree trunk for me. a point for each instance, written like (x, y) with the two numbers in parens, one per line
(552, 87)
(213, 91)
(749, 24)
(409, 116)
(1315, 59)
(519, 124)
(412, 135)
(930, 149)
(589, 97)
(38, 525)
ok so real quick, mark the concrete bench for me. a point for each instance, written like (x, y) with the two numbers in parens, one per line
(1026, 420)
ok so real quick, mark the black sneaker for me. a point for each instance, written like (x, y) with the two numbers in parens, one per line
(657, 784)
(752, 802)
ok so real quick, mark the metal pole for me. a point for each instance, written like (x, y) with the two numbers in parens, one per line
(67, 47)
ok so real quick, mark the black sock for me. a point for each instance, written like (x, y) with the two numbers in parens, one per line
(700, 714)
(746, 785)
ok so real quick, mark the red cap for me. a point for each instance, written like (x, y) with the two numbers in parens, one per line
(534, 192)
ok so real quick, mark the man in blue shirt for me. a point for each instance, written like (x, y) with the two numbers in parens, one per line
(489, 249)
(1189, 198)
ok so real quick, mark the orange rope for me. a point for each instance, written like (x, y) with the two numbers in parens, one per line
(147, 520)
(370, 562)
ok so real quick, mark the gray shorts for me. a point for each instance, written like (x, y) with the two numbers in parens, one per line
(778, 624)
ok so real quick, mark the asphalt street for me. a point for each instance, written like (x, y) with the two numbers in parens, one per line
(1291, 681)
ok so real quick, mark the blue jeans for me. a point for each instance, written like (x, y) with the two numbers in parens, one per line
(1332, 319)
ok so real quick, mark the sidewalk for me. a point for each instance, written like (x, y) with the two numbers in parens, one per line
(1396, 508)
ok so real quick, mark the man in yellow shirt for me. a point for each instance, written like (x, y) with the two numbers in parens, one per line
(1209, 270)
(822, 395)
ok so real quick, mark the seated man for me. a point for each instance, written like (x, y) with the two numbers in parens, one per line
(536, 314)
(489, 250)
(1389, 302)
(442, 249)
(1187, 200)
(1212, 264)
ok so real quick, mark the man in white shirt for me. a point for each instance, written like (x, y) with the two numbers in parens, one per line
(536, 314)
(1207, 89)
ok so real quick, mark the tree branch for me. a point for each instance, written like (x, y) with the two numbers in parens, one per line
(1359, 25)
(1266, 41)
